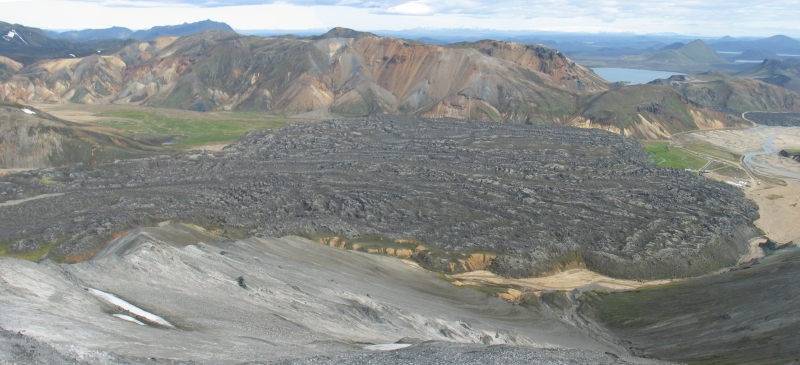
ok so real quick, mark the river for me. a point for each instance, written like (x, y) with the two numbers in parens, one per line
(768, 149)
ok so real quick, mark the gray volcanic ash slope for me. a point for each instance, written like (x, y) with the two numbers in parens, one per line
(297, 299)
(538, 198)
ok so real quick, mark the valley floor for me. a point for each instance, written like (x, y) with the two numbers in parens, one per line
(776, 194)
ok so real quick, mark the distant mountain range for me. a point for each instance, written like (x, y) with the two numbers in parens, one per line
(352, 74)
(780, 73)
(693, 53)
(90, 34)
(27, 45)
(754, 55)
(145, 35)
(779, 44)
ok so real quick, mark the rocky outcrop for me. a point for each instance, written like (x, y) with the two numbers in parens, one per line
(548, 62)
(540, 199)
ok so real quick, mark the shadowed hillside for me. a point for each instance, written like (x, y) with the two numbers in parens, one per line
(779, 73)
(744, 316)
(27, 45)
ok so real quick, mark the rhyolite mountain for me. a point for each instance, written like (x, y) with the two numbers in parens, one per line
(31, 138)
(8, 68)
(343, 72)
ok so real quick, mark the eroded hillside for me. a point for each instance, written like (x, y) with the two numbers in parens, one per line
(649, 112)
(31, 138)
(347, 73)
(171, 294)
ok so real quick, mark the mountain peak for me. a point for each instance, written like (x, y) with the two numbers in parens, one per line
(781, 37)
(699, 51)
(676, 45)
(180, 30)
(341, 32)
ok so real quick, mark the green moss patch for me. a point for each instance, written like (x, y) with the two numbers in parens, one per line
(662, 154)
(186, 133)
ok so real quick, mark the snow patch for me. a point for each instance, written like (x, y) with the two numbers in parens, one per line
(73, 56)
(130, 308)
(28, 111)
(128, 318)
(387, 346)
(13, 33)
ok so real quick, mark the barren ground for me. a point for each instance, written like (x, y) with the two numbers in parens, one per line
(778, 203)
(779, 210)
(735, 140)
(81, 113)
(566, 280)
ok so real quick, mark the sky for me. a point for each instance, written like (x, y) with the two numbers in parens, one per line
(688, 17)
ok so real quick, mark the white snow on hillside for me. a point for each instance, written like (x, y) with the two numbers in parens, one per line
(13, 33)
(130, 308)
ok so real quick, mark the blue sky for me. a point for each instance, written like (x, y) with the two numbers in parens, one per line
(691, 17)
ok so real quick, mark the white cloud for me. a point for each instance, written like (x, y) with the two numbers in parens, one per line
(411, 8)
(708, 18)
(49, 14)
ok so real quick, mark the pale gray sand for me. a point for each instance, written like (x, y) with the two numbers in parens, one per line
(20, 201)
(301, 299)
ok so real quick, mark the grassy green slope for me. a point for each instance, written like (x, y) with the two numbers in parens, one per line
(186, 132)
(621, 108)
(723, 91)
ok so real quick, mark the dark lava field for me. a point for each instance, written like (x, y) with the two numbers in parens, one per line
(539, 198)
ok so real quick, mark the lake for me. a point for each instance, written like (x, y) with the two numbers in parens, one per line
(632, 75)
